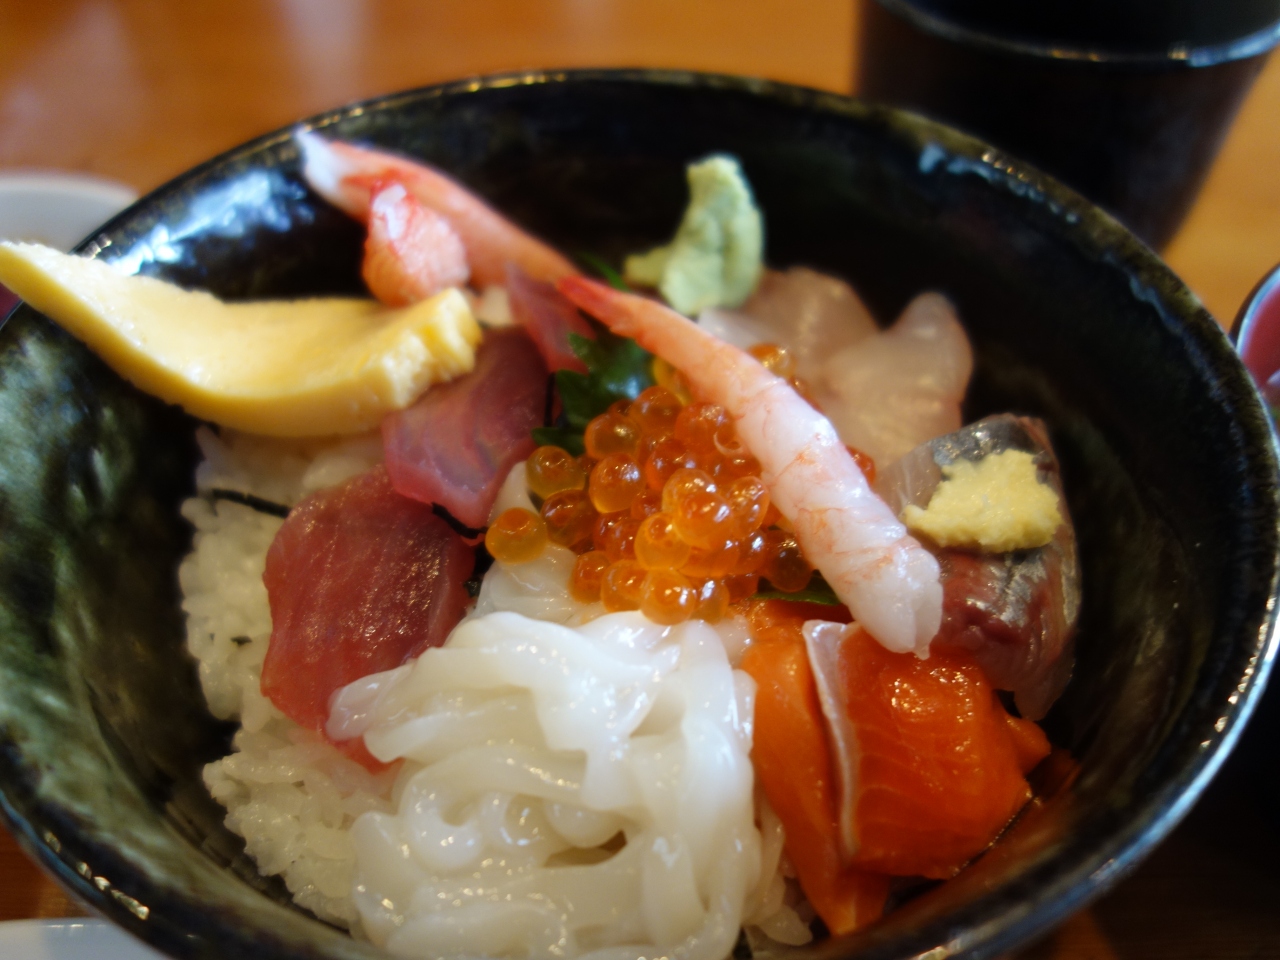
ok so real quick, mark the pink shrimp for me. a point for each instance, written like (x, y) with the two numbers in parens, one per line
(411, 252)
(889, 582)
(345, 175)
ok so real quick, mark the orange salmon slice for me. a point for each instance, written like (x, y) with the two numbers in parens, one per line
(793, 764)
(930, 765)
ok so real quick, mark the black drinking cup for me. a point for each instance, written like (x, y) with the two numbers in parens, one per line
(1127, 101)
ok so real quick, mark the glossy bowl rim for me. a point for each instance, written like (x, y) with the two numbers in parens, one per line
(1066, 885)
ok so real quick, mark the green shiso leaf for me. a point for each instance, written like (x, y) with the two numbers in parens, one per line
(570, 440)
(818, 591)
(805, 596)
(617, 369)
(589, 351)
(623, 369)
(606, 272)
(580, 397)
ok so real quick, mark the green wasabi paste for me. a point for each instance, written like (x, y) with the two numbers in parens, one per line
(717, 254)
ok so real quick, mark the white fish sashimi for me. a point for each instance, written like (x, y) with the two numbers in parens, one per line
(890, 393)
(885, 392)
(812, 314)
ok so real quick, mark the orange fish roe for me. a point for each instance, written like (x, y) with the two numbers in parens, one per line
(615, 535)
(672, 380)
(611, 432)
(588, 572)
(736, 466)
(667, 597)
(719, 561)
(615, 482)
(551, 469)
(683, 483)
(646, 504)
(777, 360)
(749, 502)
(516, 536)
(655, 412)
(663, 458)
(675, 520)
(752, 552)
(570, 518)
(622, 586)
(700, 425)
(703, 519)
(713, 600)
(666, 509)
(658, 545)
(741, 587)
(785, 566)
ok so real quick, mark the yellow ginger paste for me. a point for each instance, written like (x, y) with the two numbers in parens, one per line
(996, 504)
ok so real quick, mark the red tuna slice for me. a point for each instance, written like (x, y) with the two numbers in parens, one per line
(411, 252)
(456, 445)
(360, 580)
(929, 763)
(1015, 612)
(549, 317)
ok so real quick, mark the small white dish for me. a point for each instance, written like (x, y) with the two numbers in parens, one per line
(55, 208)
(72, 939)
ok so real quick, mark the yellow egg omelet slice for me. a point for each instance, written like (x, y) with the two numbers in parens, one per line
(285, 368)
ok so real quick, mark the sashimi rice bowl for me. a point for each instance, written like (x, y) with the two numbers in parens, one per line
(622, 554)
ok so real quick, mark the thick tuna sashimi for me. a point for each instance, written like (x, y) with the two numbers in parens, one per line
(360, 579)
(456, 445)
(549, 317)
(929, 766)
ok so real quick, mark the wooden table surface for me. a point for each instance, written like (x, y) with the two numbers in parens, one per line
(139, 90)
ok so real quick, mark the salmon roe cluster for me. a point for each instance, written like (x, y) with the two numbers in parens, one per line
(666, 510)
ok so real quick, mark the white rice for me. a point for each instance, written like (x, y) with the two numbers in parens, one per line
(288, 792)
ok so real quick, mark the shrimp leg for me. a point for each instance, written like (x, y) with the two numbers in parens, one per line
(346, 176)
(889, 582)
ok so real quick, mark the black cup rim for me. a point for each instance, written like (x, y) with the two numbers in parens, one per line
(1176, 55)
(1070, 879)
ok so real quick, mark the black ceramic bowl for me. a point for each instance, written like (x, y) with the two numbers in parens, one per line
(1168, 460)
